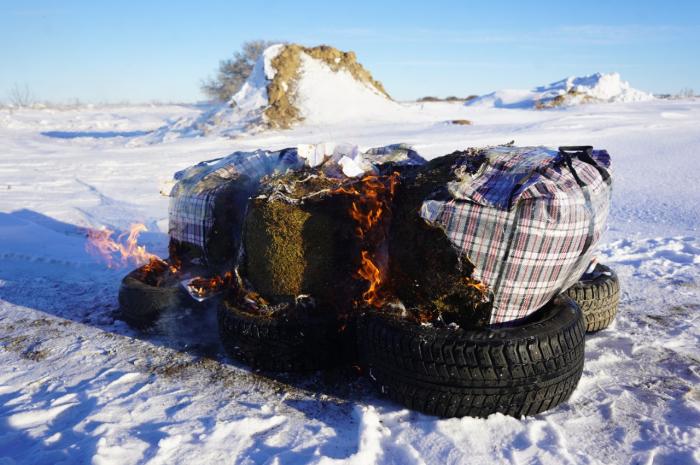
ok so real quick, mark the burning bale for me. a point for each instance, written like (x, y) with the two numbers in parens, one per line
(315, 248)
(488, 236)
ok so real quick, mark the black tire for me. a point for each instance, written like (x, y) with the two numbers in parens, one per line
(278, 343)
(517, 370)
(141, 304)
(598, 297)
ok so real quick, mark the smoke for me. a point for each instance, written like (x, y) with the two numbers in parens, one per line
(192, 328)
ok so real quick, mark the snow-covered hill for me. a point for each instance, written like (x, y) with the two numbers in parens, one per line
(595, 88)
(291, 84)
(78, 386)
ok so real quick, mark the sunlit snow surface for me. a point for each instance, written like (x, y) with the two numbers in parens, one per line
(78, 386)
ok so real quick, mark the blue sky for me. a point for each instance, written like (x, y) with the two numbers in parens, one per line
(161, 50)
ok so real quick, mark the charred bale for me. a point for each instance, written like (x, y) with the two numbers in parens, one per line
(428, 274)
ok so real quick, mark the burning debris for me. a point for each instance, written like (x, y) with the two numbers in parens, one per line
(157, 272)
(201, 289)
(124, 249)
(121, 251)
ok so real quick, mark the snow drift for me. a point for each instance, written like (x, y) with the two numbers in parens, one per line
(78, 386)
(595, 88)
(291, 84)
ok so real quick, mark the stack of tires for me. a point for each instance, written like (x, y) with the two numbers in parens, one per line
(518, 370)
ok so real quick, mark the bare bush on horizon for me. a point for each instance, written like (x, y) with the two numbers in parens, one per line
(20, 96)
(233, 72)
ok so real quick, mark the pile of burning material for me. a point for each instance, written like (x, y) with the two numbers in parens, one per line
(445, 274)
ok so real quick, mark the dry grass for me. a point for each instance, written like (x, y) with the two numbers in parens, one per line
(563, 99)
(449, 99)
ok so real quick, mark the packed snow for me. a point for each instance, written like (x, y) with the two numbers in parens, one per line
(79, 386)
(326, 96)
(253, 94)
(570, 91)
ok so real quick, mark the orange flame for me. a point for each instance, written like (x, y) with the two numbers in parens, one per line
(119, 252)
(371, 273)
(479, 287)
(368, 211)
(202, 287)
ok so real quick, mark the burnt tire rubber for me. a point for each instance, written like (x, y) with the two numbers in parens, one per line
(279, 344)
(598, 297)
(517, 370)
(141, 304)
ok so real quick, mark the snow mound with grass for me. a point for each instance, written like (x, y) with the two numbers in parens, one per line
(595, 88)
(291, 84)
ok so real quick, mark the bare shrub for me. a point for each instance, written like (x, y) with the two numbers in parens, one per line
(686, 92)
(233, 72)
(20, 95)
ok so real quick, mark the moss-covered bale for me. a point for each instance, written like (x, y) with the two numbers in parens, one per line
(299, 239)
(428, 274)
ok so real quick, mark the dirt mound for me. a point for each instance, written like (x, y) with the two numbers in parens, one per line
(282, 111)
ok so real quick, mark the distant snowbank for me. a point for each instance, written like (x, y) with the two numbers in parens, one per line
(595, 88)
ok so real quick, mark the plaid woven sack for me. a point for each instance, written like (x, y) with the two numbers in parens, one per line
(528, 219)
(208, 202)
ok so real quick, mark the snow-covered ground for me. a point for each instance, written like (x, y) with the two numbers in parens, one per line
(78, 386)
